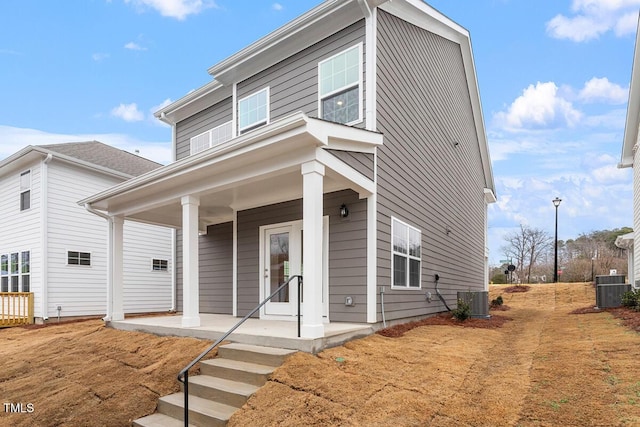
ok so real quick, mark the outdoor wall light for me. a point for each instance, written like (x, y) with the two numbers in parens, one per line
(344, 212)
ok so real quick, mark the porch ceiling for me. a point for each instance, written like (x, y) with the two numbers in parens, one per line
(252, 170)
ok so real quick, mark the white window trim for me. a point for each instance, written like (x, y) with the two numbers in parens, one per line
(345, 88)
(407, 255)
(258, 123)
(209, 134)
(22, 191)
(66, 258)
(19, 274)
(160, 259)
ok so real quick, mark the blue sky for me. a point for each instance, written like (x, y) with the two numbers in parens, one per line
(553, 78)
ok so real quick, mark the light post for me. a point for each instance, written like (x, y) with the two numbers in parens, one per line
(556, 203)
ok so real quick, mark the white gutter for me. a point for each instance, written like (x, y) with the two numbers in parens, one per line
(109, 219)
(44, 241)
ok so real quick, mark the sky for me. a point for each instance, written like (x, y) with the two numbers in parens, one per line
(553, 76)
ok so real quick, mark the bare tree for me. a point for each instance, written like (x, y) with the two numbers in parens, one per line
(526, 246)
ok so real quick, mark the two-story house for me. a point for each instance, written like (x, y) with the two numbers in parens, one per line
(347, 146)
(58, 250)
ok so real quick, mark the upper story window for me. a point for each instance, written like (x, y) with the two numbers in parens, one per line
(253, 110)
(25, 190)
(406, 255)
(212, 137)
(340, 86)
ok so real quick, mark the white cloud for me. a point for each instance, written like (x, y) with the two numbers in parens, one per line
(128, 112)
(602, 90)
(592, 18)
(178, 9)
(134, 46)
(98, 57)
(14, 139)
(277, 6)
(539, 107)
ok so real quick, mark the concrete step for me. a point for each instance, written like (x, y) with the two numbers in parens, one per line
(202, 412)
(232, 393)
(254, 354)
(159, 420)
(245, 372)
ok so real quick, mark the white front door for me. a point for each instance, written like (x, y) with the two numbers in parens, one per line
(281, 259)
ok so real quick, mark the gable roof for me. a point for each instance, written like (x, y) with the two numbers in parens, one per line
(104, 155)
(89, 154)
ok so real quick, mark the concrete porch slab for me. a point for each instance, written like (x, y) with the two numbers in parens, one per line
(269, 333)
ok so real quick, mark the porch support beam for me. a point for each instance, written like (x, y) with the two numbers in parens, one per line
(312, 189)
(117, 268)
(190, 275)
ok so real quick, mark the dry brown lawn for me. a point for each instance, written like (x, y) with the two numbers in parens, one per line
(536, 364)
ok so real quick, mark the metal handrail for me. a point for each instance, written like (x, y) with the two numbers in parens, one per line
(183, 376)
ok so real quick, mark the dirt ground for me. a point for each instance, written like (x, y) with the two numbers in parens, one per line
(547, 359)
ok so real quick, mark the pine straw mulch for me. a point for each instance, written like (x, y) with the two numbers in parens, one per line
(630, 318)
(445, 319)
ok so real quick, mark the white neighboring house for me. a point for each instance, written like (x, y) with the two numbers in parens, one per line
(630, 158)
(55, 248)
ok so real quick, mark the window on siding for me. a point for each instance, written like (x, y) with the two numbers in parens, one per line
(406, 255)
(211, 138)
(14, 270)
(78, 258)
(253, 110)
(25, 270)
(340, 81)
(160, 265)
(25, 190)
(4, 273)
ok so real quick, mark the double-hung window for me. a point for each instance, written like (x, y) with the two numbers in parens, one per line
(253, 110)
(340, 86)
(4, 273)
(15, 272)
(406, 255)
(25, 190)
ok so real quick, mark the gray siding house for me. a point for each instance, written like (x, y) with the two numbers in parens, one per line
(347, 146)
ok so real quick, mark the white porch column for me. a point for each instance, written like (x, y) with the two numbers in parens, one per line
(312, 188)
(117, 268)
(190, 265)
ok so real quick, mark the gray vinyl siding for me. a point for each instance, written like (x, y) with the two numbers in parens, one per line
(201, 122)
(293, 83)
(216, 269)
(347, 252)
(362, 162)
(424, 178)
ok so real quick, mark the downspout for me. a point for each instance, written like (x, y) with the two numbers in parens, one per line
(44, 251)
(89, 209)
(437, 277)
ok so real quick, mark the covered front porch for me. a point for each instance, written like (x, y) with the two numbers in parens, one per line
(268, 333)
(296, 163)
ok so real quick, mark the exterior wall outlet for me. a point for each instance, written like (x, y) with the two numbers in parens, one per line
(348, 301)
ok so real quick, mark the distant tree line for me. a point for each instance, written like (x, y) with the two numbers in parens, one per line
(531, 251)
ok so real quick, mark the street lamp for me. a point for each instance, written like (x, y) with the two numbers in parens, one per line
(556, 203)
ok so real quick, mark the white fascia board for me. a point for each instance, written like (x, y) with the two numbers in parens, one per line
(633, 109)
(489, 196)
(307, 29)
(341, 137)
(364, 185)
(193, 102)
